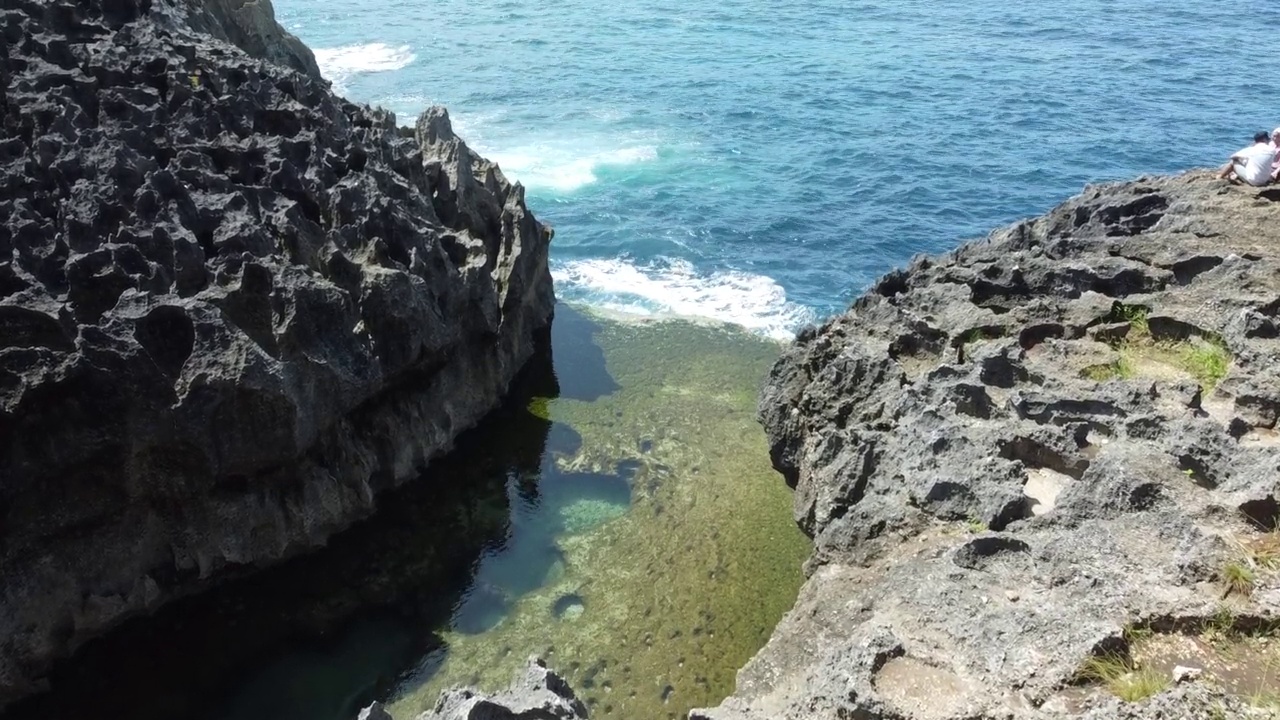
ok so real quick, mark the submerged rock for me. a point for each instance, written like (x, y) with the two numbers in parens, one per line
(233, 307)
(1011, 455)
(537, 694)
(374, 712)
(570, 606)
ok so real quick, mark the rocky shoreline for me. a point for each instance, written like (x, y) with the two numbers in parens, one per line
(1046, 451)
(235, 307)
(1041, 473)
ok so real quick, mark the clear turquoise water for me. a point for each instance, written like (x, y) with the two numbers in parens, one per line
(753, 161)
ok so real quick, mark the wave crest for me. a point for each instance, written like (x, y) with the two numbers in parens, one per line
(340, 64)
(561, 168)
(675, 287)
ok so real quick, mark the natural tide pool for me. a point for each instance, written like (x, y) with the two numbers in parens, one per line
(648, 610)
(619, 518)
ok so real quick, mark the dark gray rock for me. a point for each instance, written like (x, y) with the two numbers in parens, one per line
(985, 515)
(538, 694)
(233, 307)
(249, 25)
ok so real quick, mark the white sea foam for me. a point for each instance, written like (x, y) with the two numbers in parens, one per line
(675, 287)
(563, 165)
(340, 64)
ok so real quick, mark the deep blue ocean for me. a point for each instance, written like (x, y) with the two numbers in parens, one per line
(762, 162)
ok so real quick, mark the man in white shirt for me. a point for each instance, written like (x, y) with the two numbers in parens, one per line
(1275, 145)
(1253, 165)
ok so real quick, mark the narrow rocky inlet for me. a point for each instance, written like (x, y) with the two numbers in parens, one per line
(287, 431)
(650, 612)
(585, 522)
(1041, 474)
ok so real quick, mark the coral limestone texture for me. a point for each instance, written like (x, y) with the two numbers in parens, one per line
(233, 306)
(1042, 454)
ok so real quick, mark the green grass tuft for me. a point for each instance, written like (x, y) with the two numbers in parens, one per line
(1123, 679)
(1137, 633)
(1136, 315)
(975, 526)
(1239, 577)
(1266, 700)
(1207, 361)
(1220, 628)
(979, 334)
(1265, 551)
(1101, 373)
(1127, 365)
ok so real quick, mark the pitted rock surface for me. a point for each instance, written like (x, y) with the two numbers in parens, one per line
(233, 307)
(985, 515)
(249, 25)
(537, 694)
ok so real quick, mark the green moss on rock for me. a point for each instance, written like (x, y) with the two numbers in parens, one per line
(683, 588)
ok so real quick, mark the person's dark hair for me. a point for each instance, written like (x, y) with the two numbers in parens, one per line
(1262, 137)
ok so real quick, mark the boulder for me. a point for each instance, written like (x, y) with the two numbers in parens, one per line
(537, 694)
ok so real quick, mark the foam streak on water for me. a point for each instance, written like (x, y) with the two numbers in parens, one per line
(812, 143)
(675, 287)
(563, 166)
(340, 64)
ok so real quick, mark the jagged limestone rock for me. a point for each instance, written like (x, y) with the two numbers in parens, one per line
(1009, 454)
(537, 694)
(233, 307)
(249, 25)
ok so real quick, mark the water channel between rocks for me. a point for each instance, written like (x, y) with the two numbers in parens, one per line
(619, 518)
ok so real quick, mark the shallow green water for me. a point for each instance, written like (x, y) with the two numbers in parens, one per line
(647, 610)
(618, 516)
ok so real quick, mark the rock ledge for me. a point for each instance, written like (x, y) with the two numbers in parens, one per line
(1045, 446)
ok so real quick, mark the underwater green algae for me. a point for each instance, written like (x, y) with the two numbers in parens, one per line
(650, 610)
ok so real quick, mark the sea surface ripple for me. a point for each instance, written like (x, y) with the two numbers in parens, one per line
(761, 163)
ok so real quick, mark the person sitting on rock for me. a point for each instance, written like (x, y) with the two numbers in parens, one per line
(1275, 145)
(1254, 164)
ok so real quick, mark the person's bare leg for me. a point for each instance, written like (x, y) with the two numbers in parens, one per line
(1227, 171)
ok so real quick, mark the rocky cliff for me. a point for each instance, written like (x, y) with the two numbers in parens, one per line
(233, 307)
(249, 25)
(1041, 472)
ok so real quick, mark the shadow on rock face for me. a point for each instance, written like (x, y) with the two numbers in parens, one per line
(382, 585)
(982, 552)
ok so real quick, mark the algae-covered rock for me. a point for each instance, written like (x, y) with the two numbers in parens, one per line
(674, 553)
